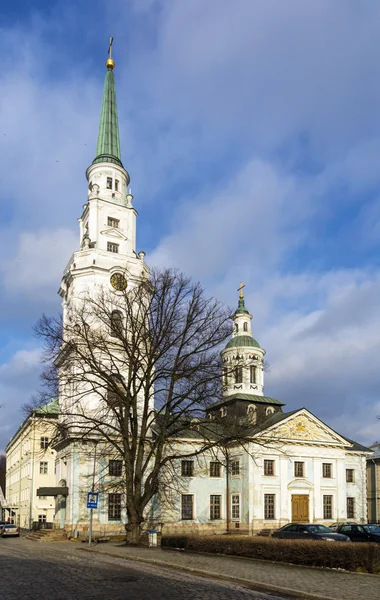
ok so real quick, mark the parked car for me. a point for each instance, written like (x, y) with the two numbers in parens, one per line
(9, 530)
(334, 526)
(309, 531)
(361, 533)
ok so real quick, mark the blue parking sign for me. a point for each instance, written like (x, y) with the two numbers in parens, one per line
(92, 500)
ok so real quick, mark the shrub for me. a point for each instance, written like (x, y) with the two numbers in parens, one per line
(338, 555)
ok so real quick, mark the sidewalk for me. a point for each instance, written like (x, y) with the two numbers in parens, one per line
(291, 580)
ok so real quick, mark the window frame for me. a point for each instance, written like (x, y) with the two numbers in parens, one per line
(327, 470)
(42, 518)
(350, 475)
(235, 472)
(297, 464)
(252, 374)
(350, 507)
(109, 183)
(114, 506)
(269, 507)
(185, 507)
(44, 443)
(112, 222)
(45, 468)
(235, 516)
(115, 467)
(269, 467)
(217, 466)
(112, 247)
(116, 323)
(116, 185)
(327, 506)
(215, 504)
(187, 468)
(238, 374)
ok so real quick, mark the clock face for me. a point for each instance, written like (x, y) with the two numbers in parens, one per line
(118, 282)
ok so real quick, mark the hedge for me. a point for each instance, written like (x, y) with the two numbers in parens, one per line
(363, 557)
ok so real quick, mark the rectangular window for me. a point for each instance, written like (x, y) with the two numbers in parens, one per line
(115, 467)
(109, 183)
(268, 467)
(187, 468)
(111, 247)
(350, 508)
(187, 507)
(327, 470)
(238, 374)
(235, 506)
(42, 518)
(116, 185)
(235, 467)
(252, 374)
(215, 469)
(350, 475)
(44, 443)
(269, 506)
(43, 468)
(215, 504)
(299, 469)
(114, 507)
(327, 507)
(111, 222)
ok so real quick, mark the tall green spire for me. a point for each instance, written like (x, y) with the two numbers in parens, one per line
(108, 146)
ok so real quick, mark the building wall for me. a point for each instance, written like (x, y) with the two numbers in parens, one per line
(25, 473)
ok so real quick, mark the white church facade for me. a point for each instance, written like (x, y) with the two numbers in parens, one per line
(295, 468)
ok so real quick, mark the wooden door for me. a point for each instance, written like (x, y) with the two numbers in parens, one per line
(300, 508)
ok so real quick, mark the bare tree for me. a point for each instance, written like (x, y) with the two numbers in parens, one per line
(137, 369)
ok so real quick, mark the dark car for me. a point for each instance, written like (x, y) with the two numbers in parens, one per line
(309, 531)
(361, 533)
(334, 526)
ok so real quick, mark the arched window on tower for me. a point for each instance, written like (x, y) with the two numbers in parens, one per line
(245, 326)
(238, 374)
(225, 375)
(236, 327)
(116, 323)
(269, 410)
(252, 374)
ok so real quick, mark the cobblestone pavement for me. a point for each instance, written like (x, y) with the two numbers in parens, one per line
(31, 571)
(281, 578)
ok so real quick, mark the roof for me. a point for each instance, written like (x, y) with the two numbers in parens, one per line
(241, 307)
(249, 397)
(51, 408)
(240, 341)
(108, 146)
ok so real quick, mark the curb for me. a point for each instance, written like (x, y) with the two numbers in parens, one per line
(249, 583)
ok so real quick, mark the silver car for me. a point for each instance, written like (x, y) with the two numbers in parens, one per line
(9, 530)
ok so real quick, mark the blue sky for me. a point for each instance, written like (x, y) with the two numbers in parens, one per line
(251, 132)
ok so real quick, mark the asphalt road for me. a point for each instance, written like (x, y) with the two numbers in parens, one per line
(36, 571)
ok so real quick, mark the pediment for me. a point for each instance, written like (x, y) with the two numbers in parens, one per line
(114, 232)
(304, 427)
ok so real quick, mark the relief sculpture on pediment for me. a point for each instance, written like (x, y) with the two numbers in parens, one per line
(302, 428)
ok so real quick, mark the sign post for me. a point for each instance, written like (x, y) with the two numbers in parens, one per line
(92, 502)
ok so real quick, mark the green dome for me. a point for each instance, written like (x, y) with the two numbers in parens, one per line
(243, 340)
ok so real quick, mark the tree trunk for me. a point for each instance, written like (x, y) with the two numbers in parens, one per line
(133, 532)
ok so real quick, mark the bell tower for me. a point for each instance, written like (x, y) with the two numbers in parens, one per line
(107, 226)
(243, 358)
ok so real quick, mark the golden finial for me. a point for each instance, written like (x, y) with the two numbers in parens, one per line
(240, 289)
(110, 63)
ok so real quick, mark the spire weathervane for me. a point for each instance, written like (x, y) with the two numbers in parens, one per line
(240, 289)
(110, 63)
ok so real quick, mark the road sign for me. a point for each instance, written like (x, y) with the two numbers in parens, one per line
(92, 500)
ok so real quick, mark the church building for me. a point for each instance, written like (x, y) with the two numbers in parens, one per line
(296, 468)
